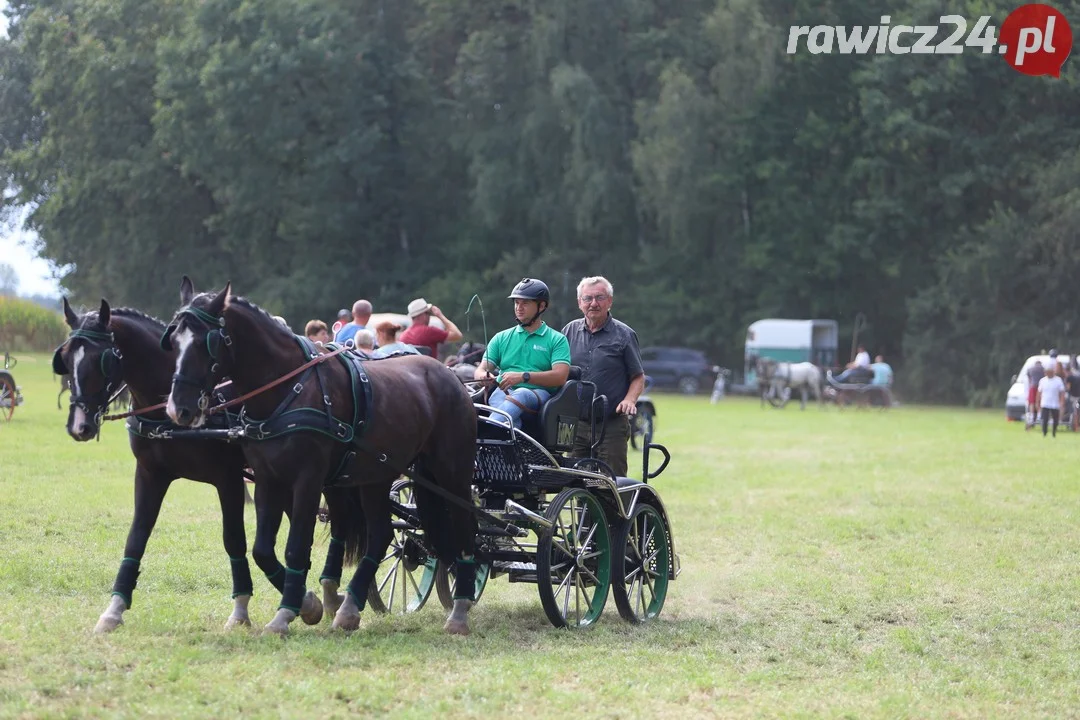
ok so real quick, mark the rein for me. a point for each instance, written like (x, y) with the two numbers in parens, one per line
(151, 408)
(247, 396)
(242, 398)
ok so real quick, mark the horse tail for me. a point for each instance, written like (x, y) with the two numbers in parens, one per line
(346, 503)
(433, 515)
(356, 535)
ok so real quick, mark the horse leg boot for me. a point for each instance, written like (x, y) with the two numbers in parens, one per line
(231, 494)
(149, 495)
(375, 510)
(297, 599)
(464, 596)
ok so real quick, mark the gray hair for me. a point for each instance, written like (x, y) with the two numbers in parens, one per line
(365, 339)
(362, 308)
(595, 279)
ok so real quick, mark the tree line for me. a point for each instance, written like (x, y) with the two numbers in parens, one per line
(318, 152)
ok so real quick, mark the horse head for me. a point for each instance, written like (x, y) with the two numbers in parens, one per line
(197, 333)
(765, 368)
(93, 362)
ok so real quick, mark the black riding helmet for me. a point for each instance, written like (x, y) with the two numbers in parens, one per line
(531, 289)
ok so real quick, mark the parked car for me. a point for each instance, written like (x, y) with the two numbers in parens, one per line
(1016, 397)
(684, 369)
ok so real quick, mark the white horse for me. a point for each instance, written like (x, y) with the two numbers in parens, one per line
(778, 378)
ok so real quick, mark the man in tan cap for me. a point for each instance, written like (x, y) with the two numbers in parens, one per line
(422, 334)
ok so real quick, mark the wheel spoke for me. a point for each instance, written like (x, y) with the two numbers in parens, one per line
(566, 584)
(389, 574)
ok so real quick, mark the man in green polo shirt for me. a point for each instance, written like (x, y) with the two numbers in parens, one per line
(533, 359)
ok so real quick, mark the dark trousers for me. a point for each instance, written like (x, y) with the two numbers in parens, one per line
(612, 450)
(1048, 413)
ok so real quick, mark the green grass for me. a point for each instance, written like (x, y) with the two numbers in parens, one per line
(915, 563)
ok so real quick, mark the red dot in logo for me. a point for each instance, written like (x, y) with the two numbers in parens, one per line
(1037, 39)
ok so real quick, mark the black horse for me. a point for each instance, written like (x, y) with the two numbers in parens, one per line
(340, 422)
(110, 347)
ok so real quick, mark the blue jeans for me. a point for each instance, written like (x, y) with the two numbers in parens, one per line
(529, 397)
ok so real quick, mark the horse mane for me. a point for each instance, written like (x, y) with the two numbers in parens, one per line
(247, 304)
(91, 320)
(139, 315)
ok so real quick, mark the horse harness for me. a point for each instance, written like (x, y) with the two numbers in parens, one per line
(112, 370)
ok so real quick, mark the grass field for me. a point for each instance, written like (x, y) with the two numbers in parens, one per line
(915, 563)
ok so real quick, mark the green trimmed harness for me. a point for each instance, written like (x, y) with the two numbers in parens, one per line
(285, 420)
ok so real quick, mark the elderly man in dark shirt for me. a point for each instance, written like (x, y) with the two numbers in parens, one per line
(607, 352)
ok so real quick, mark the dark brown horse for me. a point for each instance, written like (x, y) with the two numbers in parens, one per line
(110, 347)
(339, 422)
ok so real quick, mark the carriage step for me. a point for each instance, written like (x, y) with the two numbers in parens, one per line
(505, 566)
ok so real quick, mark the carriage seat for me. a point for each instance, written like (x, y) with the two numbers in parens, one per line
(556, 423)
(858, 376)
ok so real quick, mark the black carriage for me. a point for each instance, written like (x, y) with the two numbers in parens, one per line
(10, 393)
(569, 525)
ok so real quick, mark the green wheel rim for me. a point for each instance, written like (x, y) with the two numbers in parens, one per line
(646, 563)
(406, 575)
(576, 560)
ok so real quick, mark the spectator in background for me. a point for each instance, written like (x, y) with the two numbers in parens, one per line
(1034, 375)
(1051, 397)
(883, 377)
(1072, 385)
(316, 332)
(385, 337)
(343, 317)
(422, 333)
(364, 340)
(361, 313)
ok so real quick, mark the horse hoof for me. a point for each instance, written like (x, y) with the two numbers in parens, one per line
(456, 627)
(106, 624)
(276, 628)
(234, 622)
(311, 611)
(331, 598)
(346, 623)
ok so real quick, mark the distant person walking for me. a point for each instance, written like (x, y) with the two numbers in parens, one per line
(1034, 375)
(1051, 398)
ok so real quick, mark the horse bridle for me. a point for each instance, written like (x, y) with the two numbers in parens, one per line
(112, 370)
(215, 338)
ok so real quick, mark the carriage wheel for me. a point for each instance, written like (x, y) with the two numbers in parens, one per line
(644, 427)
(573, 560)
(7, 396)
(444, 583)
(404, 578)
(641, 565)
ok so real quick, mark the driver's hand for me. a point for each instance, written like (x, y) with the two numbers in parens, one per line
(509, 380)
(626, 408)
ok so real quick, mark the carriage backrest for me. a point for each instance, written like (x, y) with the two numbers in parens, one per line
(560, 415)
